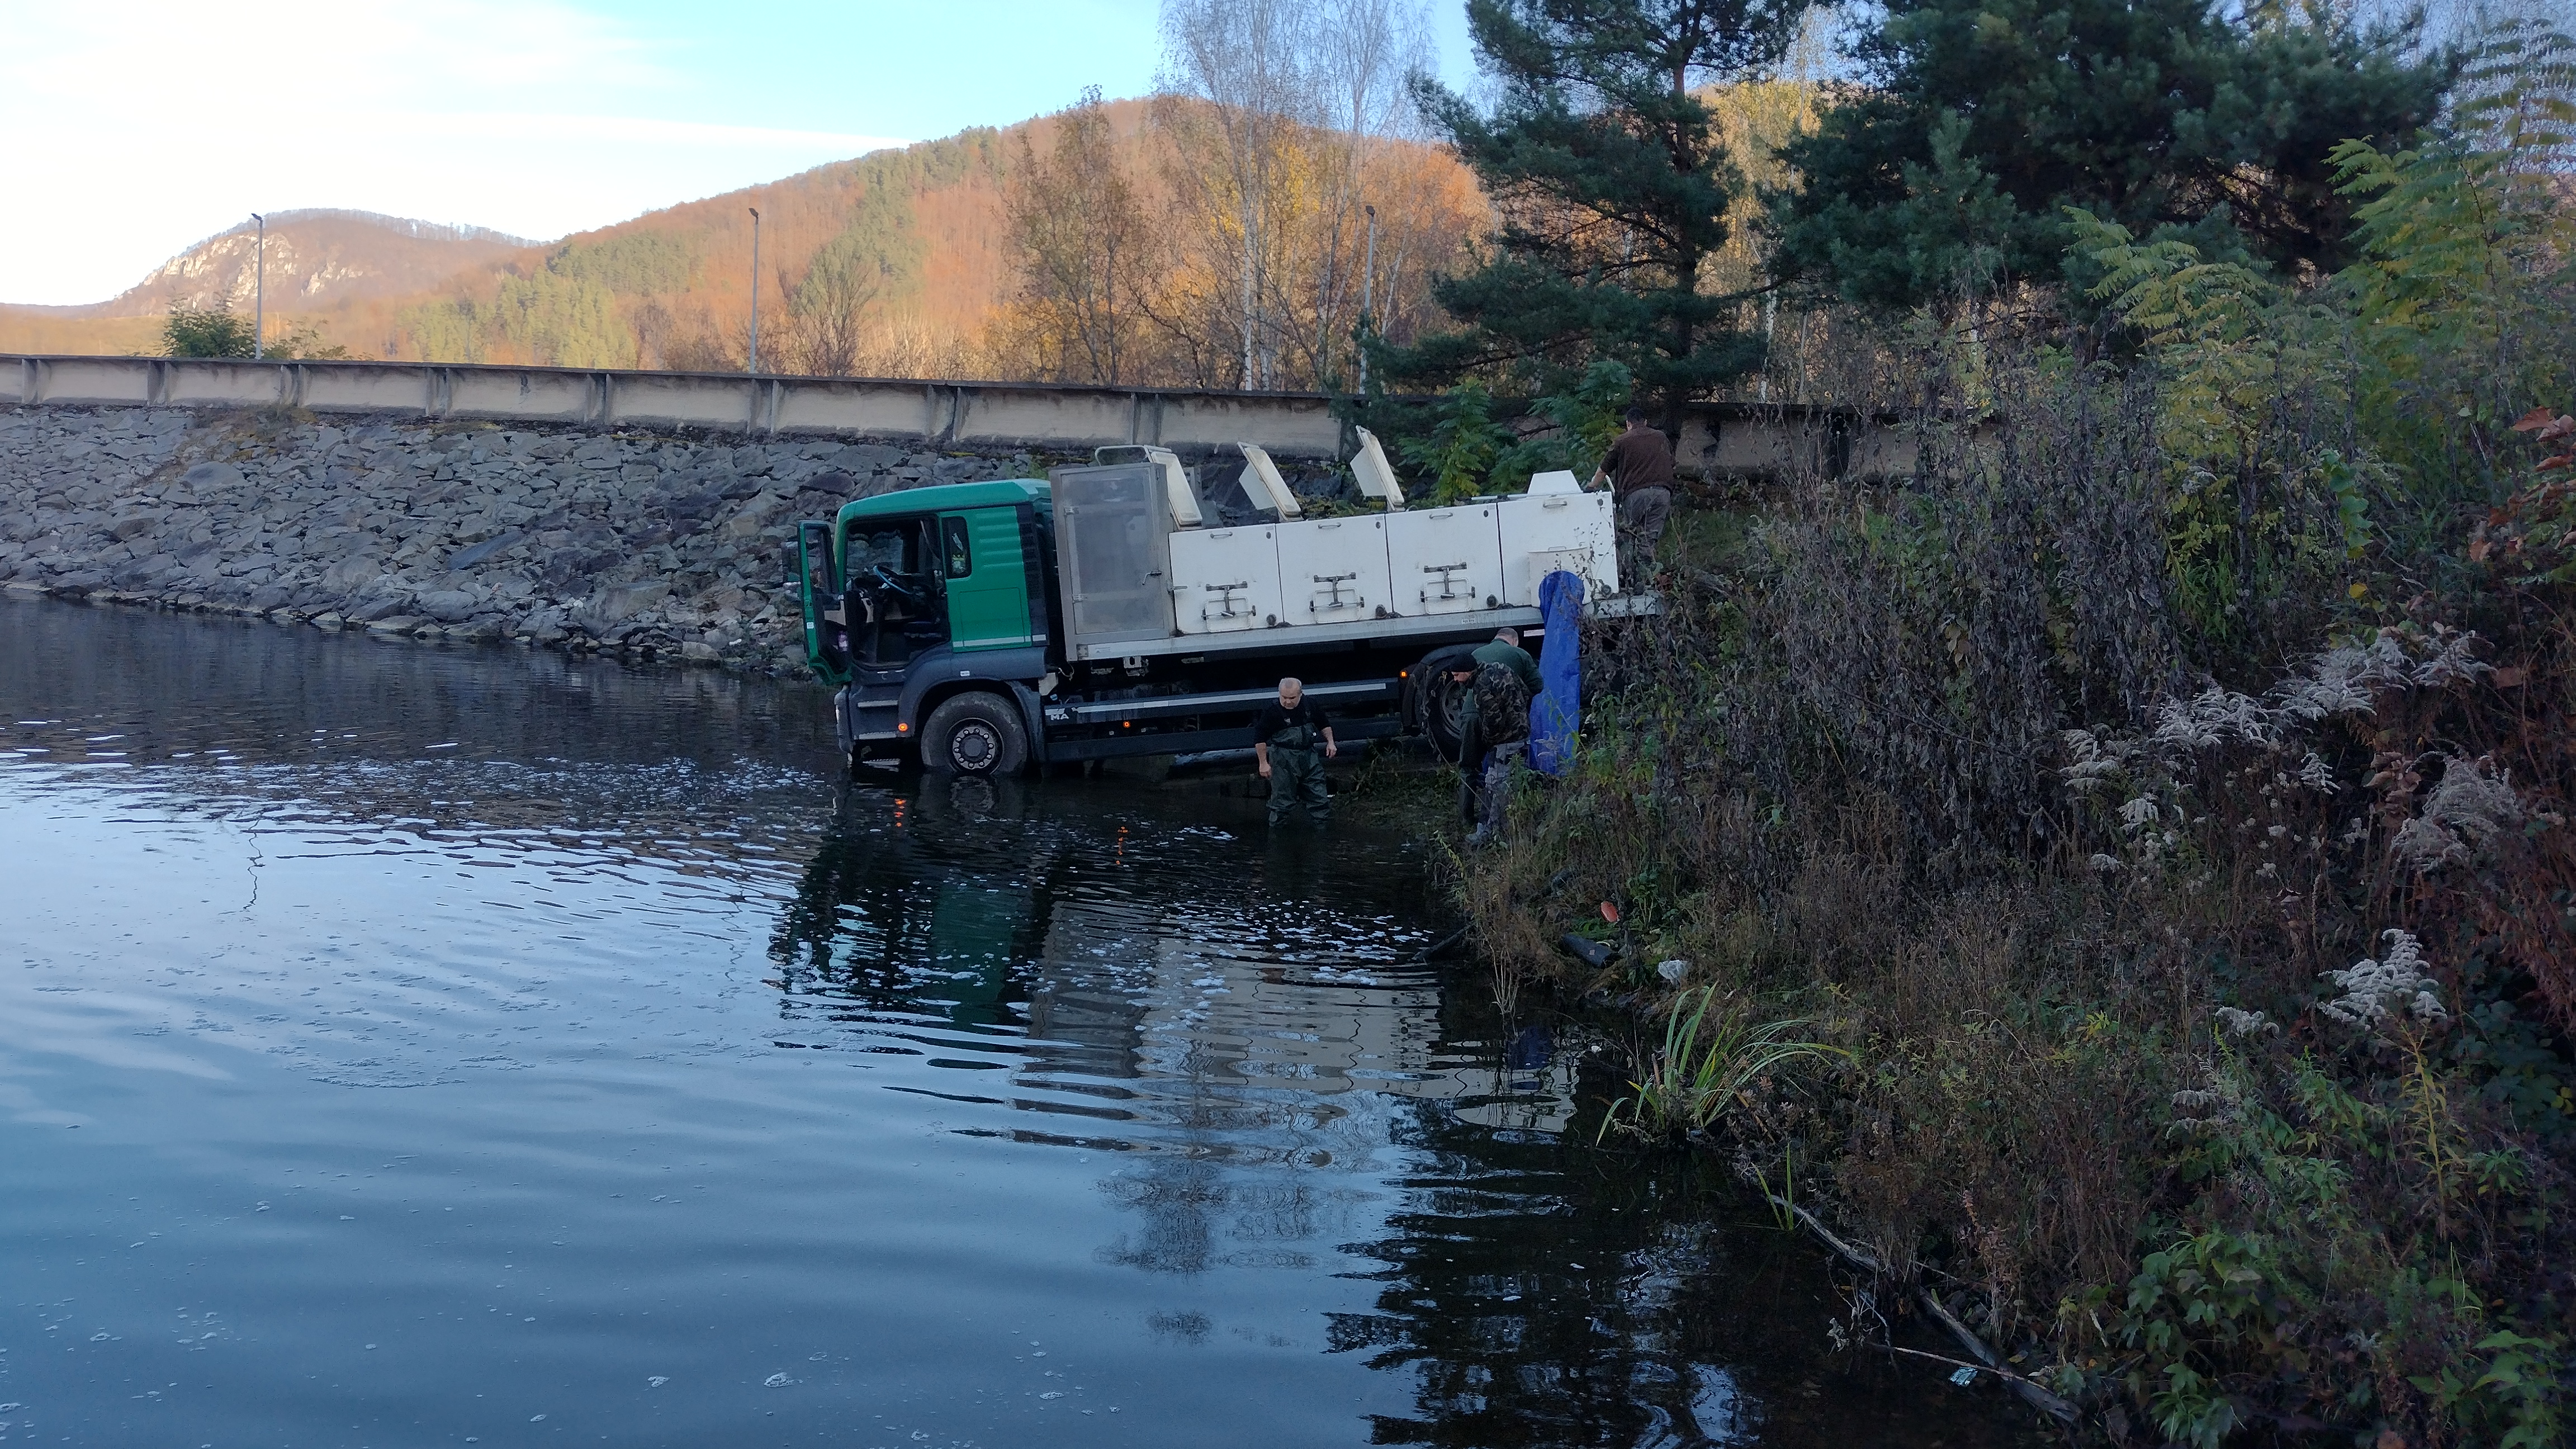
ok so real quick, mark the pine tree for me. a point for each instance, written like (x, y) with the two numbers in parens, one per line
(1949, 170)
(1612, 187)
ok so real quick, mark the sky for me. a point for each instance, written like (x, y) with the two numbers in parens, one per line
(141, 127)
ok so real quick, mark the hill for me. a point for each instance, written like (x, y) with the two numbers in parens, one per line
(910, 249)
(317, 261)
(314, 260)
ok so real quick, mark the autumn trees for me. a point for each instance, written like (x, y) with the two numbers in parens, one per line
(1087, 251)
(1220, 235)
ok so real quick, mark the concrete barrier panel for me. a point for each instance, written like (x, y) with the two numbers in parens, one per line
(366, 387)
(222, 383)
(94, 380)
(534, 394)
(684, 400)
(1289, 426)
(1691, 448)
(1043, 417)
(1883, 453)
(1717, 439)
(1751, 444)
(871, 409)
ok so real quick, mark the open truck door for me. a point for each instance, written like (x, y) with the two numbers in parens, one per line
(818, 590)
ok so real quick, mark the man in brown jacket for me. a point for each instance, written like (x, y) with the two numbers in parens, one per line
(1640, 472)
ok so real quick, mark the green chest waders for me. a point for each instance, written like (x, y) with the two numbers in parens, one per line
(1297, 774)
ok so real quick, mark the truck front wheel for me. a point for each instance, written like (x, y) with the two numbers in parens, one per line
(974, 734)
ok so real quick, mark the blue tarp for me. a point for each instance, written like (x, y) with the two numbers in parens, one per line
(1559, 706)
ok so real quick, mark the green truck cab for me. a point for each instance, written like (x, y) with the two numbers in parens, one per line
(927, 610)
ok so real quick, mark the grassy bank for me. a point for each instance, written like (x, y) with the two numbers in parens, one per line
(2180, 916)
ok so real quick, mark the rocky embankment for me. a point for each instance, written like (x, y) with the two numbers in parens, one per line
(649, 546)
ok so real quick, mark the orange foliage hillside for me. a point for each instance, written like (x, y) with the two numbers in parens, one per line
(917, 239)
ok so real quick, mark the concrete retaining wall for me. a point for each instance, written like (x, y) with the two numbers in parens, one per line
(1717, 439)
(947, 414)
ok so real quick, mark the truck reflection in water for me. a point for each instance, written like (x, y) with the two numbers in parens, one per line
(1240, 1022)
(1090, 941)
(909, 908)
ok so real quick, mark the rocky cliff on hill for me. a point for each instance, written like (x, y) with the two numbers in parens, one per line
(646, 545)
(312, 259)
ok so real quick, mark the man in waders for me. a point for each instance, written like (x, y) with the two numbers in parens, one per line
(1640, 472)
(1501, 682)
(1292, 739)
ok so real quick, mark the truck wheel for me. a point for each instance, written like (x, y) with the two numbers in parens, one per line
(974, 734)
(1444, 701)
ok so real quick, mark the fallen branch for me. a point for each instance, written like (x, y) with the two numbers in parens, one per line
(1980, 1368)
(1992, 1362)
(2038, 1398)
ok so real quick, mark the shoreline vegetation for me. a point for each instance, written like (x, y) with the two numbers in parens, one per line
(2194, 1033)
(2119, 879)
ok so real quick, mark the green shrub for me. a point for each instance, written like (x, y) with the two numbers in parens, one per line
(205, 332)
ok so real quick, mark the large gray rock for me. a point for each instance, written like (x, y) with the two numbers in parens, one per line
(448, 606)
(624, 601)
(352, 573)
(466, 558)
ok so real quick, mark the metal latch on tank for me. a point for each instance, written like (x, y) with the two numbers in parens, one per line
(1225, 604)
(1448, 580)
(1334, 582)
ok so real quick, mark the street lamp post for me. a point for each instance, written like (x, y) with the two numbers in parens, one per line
(755, 290)
(259, 292)
(1368, 292)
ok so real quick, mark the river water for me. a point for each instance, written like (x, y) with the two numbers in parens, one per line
(405, 1045)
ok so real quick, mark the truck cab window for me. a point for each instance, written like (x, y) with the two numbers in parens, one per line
(961, 559)
(884, 548)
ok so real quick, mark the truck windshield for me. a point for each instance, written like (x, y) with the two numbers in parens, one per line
(893, 548)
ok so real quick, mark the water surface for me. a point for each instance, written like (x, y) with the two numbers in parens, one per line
(405, 1045)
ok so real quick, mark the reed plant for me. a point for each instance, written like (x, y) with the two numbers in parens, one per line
(1716, 1055)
